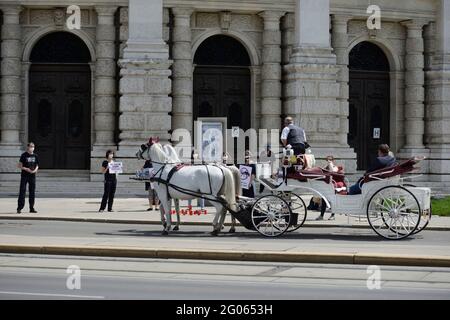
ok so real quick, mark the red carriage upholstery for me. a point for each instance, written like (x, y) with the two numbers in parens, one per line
(317, 173)
(395, 170)
(305, 174)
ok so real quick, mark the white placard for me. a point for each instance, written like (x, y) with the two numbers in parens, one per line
(211, 137)
(115, 167)
(235, 132)
(263, 170)
(246, 174)
(148, 173)
(376, 133)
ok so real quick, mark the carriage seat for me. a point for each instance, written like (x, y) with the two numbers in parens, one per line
(392, 171)
(320, 174)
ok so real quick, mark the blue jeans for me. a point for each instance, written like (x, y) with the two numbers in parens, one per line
(355, 189)
(200, 203)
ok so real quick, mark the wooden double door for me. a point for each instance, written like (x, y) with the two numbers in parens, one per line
(369, 114)
(60, 115)
(223, 92)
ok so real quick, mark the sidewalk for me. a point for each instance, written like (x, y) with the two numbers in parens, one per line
(133, 210)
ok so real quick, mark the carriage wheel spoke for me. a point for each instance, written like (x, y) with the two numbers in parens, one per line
(262, 222)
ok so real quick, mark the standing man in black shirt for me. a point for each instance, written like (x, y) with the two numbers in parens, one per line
(110, 183)
(29, 165)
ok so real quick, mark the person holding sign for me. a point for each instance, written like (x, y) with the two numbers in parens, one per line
(248, 174)
(110, 170)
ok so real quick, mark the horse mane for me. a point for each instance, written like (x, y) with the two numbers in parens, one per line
(171, 153)
(157, 153)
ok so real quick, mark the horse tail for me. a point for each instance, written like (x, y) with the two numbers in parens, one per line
(237, 179)
(228, 189)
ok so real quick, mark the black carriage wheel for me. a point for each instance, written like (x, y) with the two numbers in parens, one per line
(391, 209)
(271, 215)
(298, 218)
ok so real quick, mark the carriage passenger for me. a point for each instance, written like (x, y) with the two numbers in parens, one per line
(317, 203)
(385, 159)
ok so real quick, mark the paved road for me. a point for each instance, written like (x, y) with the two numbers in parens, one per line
(197, 237)
(45, 277)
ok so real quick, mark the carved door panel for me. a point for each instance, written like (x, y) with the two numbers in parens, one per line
(368, 114)
(59, 115)
(223, 92)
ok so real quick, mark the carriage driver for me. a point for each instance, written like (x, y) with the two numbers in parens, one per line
(293, 136)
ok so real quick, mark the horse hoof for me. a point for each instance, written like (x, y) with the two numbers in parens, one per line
(215, 233)
(175, 228)
(232, 230)
(165, 233)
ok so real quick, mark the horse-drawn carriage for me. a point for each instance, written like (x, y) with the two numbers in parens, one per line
(394, 210)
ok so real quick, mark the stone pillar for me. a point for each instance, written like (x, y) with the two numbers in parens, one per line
(182, 70)
(271, 71)
(439, 99)
(313, 88)
(414, 86)
(10, 89)
(105, 82)
(428, 51)
(339, 41)
(145, 82)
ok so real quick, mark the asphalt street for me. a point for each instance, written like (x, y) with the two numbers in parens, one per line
(46, 277)
(437, 242)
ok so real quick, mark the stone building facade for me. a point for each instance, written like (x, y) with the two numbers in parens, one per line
(138, 68)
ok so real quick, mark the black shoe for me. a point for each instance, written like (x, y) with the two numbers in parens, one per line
(150, 209)
(33, 211)
(19, 211)
(111, 210)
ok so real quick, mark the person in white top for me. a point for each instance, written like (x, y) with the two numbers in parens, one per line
(293, 136)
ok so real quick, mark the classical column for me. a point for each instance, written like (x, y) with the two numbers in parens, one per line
(429, 47)
(312, 83)
(414, 85)
(439, 98)
(11, 88)
(10, 91)
(105, 82)
(339, 41)
(145, 82)
(182, 70)
(271, 71)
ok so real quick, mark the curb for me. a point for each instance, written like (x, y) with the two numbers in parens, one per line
(190, 223)
(261, 256)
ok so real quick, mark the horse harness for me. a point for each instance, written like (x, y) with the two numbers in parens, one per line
(177, 168)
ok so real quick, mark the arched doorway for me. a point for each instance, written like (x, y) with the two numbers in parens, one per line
(59, 101)
(369, 112)
(222, 81)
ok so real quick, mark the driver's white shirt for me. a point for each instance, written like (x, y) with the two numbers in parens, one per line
(285, 133)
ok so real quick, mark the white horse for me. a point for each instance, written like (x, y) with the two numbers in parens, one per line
(173, 158)
(209, 181)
